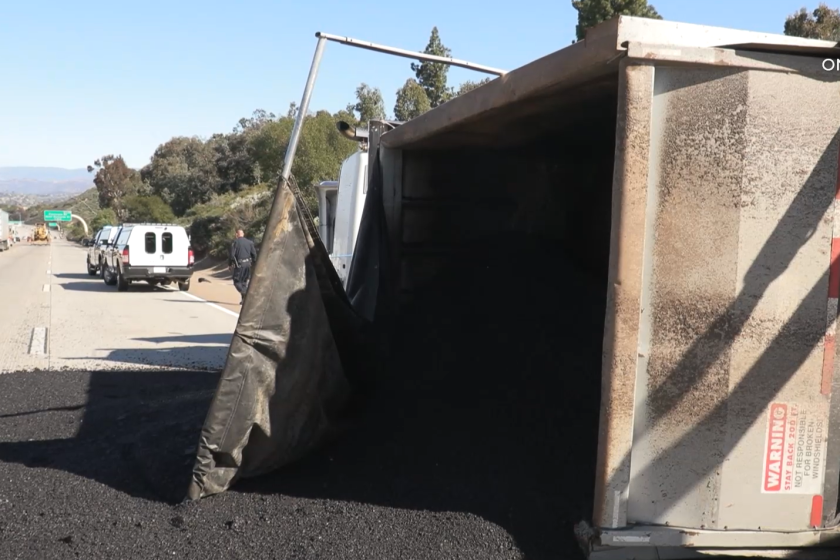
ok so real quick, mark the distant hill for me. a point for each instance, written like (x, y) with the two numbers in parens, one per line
(27, 200)
(44, 181)
(44, 173)
(31, 208)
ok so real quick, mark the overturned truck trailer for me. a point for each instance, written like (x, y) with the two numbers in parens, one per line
(681, 182)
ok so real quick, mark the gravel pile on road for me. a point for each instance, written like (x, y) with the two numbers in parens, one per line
(478, 443)
(487, 412)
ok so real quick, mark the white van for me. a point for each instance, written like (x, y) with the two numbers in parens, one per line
(153, 253)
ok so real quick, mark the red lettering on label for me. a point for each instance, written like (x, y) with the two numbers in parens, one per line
(775, 448)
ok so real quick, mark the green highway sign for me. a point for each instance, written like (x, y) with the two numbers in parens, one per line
(53, 225)
(57, 215)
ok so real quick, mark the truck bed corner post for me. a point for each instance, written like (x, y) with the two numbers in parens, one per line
(624, 292)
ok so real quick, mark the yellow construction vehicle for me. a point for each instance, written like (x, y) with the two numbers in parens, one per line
(41, 234)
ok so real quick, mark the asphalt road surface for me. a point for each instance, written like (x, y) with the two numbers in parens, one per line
(56, 317)
(102, 396)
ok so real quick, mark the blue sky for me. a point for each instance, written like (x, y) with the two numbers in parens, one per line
(86, 78)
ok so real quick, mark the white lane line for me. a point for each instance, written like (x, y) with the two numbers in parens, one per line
(46, 287)
(228, 311)
(38, 343)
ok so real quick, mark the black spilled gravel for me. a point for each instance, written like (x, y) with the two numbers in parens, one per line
(487, 411)
(479, 443)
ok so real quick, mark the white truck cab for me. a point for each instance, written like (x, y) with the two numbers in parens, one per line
(95, 252)
(341, 203)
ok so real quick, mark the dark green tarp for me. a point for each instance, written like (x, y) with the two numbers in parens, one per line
(298, 346)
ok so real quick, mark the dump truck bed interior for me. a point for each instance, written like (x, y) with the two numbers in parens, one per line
(691, 174)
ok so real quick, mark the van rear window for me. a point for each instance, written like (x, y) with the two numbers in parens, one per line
(166, 242)
(151, 242)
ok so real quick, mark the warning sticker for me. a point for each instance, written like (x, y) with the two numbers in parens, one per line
(794, 455)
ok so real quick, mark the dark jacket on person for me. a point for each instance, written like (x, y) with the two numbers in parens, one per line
(242, 251)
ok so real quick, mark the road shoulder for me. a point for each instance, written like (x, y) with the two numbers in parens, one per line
(213, 282)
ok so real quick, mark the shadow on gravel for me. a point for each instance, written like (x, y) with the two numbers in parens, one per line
(234, 303)
(93, 285)
(76, 276)
(488, 405)
(137, 434)
(220, 338)
(201, 357)
(42, 411)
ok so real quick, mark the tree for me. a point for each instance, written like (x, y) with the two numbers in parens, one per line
(105, 217)
(469, 85)
(150, 208)
(432, 75)
(369, 105)
(412, 101)
(823, 23)
(75, 231)
(115, 181)
(593, 12)
(268, 146)
(235, 164)
(319, 154)
(15, 211)
(259, 118)
(183, 172)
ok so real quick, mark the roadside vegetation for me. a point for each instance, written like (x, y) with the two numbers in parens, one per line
(215, 185)
(218, 184)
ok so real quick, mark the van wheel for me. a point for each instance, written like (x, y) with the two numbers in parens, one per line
(91, 269)
(184, 286)
(108, 275)
(122, 283)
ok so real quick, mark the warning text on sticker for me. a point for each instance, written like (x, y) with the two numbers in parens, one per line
(777, 457)
(795, 451)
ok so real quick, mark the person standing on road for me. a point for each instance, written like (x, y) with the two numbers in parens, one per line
(243, 253)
